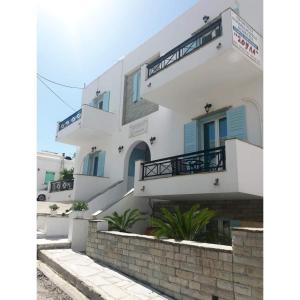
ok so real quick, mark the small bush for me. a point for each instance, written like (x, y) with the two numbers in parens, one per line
(80, 206)
(124, 221)
(66, 174)
(180, 225)
(53, 207)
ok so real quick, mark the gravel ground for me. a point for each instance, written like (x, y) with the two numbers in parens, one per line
(46, 290)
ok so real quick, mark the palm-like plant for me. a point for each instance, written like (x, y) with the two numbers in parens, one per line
(124, 221)
(182, 226)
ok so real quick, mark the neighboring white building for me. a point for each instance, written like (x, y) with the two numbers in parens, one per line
(49, 166)
(194, 87)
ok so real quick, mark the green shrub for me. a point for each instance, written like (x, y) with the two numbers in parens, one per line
(53, 207)
(124, 221)
(66, 174)
(80, 206)
(180, 225)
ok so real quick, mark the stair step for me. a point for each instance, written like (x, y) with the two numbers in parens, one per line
(96, 281)
(53, 243)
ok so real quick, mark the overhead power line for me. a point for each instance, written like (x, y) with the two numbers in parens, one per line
(68, 86)
(61, 99)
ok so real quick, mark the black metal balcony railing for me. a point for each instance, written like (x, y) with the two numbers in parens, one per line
(212, 31)
(69, 120)
(61, 185)
(211, 160)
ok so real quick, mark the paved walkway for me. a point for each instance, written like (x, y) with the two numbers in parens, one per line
(43, 207)
(95, 278)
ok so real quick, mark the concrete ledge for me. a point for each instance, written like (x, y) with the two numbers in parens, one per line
(218, 247)
(57, 243)
(248, 229)
(60, 282)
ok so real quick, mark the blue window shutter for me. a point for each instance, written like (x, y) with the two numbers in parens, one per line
(101, 163)
(236, 122)
(85, 168)
(136, 86)
(106, 97)
(191, 137)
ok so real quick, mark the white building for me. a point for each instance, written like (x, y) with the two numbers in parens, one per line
(49, 166)
(194, 87)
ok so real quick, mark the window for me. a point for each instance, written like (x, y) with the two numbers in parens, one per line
(136, 78)
(93, 164)
(212, 131)
(102, 101)
(49, 176)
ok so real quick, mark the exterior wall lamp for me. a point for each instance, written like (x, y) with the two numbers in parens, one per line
(120, 148)
(152, 139)
(94, 148)
(207, 107)
(205, 19)
(97, 93)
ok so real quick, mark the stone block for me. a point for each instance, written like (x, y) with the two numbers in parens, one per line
(225, 285)
(242, 289)
(167, 270)
(177, 280)
(180, 257)
(225, 256)
(249, 261)
(194, 285)
(205, 279)
(170, 286)
(184, 274)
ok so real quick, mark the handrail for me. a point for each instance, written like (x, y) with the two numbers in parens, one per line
(210, 32)
(181, 155)
(70, 120)
(61, 185)
(209, 160)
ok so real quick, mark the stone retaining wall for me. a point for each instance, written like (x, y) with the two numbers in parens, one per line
(183, 270)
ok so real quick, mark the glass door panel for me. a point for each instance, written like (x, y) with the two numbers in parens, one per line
(209, 143)
(222, 131)
(209, 135)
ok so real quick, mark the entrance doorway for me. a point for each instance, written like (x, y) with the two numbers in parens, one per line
(140, 152)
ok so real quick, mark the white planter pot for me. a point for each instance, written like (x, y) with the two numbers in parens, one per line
(53, 212)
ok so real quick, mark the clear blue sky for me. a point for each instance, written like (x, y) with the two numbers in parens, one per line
(78, 40)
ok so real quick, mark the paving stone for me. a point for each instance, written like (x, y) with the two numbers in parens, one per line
(94, 279)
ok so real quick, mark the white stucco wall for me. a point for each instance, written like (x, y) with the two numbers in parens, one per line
(56, 226)
(47, 161)
(165, 124)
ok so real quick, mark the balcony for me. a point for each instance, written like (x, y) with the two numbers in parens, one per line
(86, 125)
(230, 172)
(61, 185)
(226, 53)
(82, 187)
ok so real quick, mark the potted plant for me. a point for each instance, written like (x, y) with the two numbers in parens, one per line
(79, 207)
(53, 209)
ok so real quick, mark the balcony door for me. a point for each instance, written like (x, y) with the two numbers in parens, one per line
(209, 135)
(213, 133)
